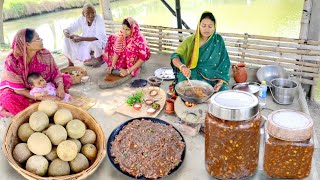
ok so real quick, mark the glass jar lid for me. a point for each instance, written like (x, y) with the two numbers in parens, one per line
(290, 125)
(233, 105)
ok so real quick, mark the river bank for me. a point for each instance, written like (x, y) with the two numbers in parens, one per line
(24, 8)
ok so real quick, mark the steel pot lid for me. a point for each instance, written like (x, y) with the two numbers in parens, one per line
(233, 105)
(250, 87)
(289, 125)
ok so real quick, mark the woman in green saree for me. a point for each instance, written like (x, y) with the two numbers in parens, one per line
(203, 56)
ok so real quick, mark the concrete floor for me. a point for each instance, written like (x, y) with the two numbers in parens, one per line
(193, 167)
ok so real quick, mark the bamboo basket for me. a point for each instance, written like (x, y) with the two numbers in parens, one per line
(75, 79)
(11, 139)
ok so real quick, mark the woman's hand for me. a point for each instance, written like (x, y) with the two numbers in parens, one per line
(217, 87)
(109, 70)
(185, 71)
(50, 97)
(60, 91)
(124, 72)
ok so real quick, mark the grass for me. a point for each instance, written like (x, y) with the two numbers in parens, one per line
(14, 9)
(4, 47)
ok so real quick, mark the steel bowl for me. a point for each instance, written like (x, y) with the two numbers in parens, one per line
(270, 72)
(184, 85)
(250, 87)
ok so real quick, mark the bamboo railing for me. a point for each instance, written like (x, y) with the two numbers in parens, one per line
(299, 57)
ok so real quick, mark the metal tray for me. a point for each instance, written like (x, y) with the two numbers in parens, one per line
(116, 131)
(165, 73)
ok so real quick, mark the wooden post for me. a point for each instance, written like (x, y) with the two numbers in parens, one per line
(1, 22)
(178, 10)
(305, 19)
(310, 26)
(160, 40)
(174, 13)
(106, 9)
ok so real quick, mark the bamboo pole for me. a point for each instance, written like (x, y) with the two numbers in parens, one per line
(291, 61)
(314, 89)
(273, 43)
(263, 62)
(160, 40)
(276, 54)
(304, 74)
(275, 49)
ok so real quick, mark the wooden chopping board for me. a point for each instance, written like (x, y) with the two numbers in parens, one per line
(129, 111)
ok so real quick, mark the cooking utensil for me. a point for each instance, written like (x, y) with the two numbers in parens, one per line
(154, 81)
(183, 85)
(250, 87)
(116, 131)
(191, 85)
(267, 73)
(165, 73)
(139, 83)
(283, 90)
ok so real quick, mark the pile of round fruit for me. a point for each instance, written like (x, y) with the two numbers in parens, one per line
(53, 143)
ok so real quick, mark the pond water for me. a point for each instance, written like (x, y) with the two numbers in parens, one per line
(260, 17)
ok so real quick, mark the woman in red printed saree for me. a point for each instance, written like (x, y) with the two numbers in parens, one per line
(28, 56)
(127, 51)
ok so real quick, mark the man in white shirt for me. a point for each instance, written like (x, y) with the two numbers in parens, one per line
(92, 40)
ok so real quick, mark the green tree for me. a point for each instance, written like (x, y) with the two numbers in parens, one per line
(1, 21)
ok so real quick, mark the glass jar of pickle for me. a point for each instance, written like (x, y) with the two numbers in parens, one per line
(232, 135)
(289, 144)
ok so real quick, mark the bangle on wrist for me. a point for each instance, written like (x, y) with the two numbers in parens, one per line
(128, 71)
(181, 66)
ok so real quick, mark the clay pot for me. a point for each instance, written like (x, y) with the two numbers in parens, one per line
(239, 73)
(169, 106)
(174, 96)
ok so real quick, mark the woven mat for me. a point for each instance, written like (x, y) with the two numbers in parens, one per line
(129, 111)
(81, 100)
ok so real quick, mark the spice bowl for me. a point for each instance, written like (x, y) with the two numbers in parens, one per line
(148, 102)
(154, 81)
(153, 92)
(155, 106)
(151, 111)
(137, 106)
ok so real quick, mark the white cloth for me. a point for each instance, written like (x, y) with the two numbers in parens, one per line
(81, 50)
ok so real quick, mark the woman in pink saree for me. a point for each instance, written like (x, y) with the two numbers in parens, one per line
(28, 56)
(127, 51)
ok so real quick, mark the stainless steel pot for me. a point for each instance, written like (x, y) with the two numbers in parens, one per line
(233, 105)
(182, 86)
(284, 90)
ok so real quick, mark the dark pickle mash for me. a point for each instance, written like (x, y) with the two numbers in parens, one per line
(287, 159)
(232, 147)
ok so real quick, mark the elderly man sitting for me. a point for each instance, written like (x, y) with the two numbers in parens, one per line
(92, 40)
